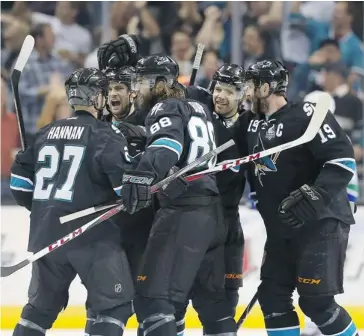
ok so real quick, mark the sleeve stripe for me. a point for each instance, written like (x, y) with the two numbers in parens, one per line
(235, 169)
(23, 178)
(118, 190)
(352, 198)
(20, 189)
(21, 183)
(345, 163)
(168, 143)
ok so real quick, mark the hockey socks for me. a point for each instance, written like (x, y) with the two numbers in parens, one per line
(340, 324)
(282, 324)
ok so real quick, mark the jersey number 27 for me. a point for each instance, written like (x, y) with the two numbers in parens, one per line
(49, 154)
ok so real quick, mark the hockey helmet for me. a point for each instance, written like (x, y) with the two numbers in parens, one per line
(87, 87)
(231, 74)
(157, 67)
(271, 72)
(124, 75)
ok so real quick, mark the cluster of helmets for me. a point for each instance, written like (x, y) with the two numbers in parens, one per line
(84, 84)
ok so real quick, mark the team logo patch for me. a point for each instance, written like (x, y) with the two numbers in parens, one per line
(271, 133)
(265, 164)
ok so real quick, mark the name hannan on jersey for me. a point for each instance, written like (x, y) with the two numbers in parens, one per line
(66, 132)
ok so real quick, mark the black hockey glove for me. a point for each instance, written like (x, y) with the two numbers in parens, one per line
(175, 188)
(136, 193)
(302, 206)
(120, 52)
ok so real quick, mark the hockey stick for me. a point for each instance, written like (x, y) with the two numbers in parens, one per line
(155, 187)
(23, 57)
(314, 126)
(8, 270)
(317, 118)
(247, 310)
(196, 63)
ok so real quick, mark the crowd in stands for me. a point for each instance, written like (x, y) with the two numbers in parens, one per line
(320, 42)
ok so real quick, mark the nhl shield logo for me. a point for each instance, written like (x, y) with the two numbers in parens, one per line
(118, 288)
(271, 133)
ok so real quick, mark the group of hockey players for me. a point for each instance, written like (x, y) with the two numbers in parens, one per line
(184, 243)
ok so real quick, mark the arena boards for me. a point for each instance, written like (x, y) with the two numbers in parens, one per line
(14, 236)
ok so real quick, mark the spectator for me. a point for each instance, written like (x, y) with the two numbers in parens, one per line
(43, 71)
(254, 44)
(350, 46)
(142, 23)
(14, 35)
(308, 77)
(55, 107)
(210, 64)
(189, 19)
(72, 41)
(211, 33)
(9, 144)
(260, 14)
(348, 108)
(182, 52)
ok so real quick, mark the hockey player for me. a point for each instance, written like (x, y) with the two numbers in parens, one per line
(302, 199)
(228, 93)
(227, 89)
(134, 228)
(75, 163)
(185, 247)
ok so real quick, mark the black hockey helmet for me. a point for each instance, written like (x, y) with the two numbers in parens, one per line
(125, 75)
(158, 67)
(268, 71)
(85, 85)
(232, 74)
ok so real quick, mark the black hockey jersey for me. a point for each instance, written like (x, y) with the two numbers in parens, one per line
(74, 164)
(179, 132)
(231, 182)
(326, 162)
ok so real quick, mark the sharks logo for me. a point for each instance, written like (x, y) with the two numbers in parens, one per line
(265, 164)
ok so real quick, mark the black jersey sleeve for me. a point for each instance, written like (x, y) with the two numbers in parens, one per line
(333, 152)
(165, 125)
(22, 177)
(114, 158)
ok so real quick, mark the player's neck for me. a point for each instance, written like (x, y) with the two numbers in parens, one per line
(88, 109)
(275, 103)
(231, 116)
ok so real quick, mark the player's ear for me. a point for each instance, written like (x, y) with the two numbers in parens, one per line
(264, 90)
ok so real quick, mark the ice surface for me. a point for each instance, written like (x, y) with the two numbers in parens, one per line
(132, 332)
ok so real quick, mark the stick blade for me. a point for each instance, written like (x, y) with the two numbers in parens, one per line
(5, 271)
(321, 110)
(24, 54)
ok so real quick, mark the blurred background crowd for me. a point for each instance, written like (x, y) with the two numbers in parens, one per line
(321, 44)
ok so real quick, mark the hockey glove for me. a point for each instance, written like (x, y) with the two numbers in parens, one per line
(302, 206)
(120, 52)
(136, 192)
(175, 188)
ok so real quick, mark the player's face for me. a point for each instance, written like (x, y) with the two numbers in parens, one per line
(143, 87)
(118, 98)
(225, 98)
